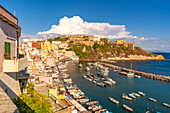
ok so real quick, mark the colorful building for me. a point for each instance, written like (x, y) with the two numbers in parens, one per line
(13, 76)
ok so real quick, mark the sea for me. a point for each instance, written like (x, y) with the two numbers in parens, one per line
(152, 88)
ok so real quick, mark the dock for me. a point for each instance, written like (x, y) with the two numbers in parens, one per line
(78, 106)
(140, 73)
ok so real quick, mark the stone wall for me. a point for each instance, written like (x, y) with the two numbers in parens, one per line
(9, 84)
(6, 104)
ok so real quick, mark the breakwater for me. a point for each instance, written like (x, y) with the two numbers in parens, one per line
(140, 73)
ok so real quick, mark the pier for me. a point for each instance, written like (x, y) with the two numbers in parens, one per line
(140, 73)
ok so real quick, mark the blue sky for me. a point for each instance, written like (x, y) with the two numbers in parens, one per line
(142, 18)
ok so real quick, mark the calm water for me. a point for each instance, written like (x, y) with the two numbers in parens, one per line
(155, 89)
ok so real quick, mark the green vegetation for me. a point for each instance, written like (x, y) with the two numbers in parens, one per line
(57, 39)
(69, 49)
(33, 102)
(95, 46)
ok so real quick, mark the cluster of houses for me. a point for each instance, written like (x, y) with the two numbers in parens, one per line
(42, 58)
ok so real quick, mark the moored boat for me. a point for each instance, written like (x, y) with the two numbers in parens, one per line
(92, 103)
(135, 94)
(152, 99)
(87, 69)
(101, 84)
(85, 100)
(131, 95)
(127, 108)
(126, 97)
(113, 100)
(108, 82)
(80, 65)
(137, 76)
(166, 105)
(141, 93)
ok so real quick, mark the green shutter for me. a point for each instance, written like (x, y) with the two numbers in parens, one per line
(7, 50)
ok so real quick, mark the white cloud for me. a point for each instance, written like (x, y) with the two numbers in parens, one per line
(164, 46)
(76, 25)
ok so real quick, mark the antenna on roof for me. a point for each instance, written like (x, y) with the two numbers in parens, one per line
(14, 13)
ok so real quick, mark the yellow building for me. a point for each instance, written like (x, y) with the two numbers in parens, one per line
(56, 94)
(129, 45)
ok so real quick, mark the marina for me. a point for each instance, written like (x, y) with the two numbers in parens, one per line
(131, 72)
(103, 93)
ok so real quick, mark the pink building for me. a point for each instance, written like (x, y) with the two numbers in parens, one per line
(13, 76)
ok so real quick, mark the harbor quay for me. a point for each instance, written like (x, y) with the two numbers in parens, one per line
(140, 73)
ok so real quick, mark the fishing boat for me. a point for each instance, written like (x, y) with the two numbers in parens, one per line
(132, 96)
(101, 84)
(108, 82)
(113, 100)
(92, 103)
(123, 73)
(126, 97)
(141, 93)
(166, 105)
(96, 108)
(84, 100)
(152, 99)
(127, 108)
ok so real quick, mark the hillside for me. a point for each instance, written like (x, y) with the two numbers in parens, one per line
(112, 52)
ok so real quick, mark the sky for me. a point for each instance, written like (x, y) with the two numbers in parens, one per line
(145, 22)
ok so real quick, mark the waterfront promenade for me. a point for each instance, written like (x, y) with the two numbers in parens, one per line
(140, 73)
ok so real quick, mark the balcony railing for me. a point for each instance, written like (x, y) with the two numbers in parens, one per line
(14, 65)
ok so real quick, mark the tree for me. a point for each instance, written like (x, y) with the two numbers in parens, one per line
(95, 46)
(33, 102)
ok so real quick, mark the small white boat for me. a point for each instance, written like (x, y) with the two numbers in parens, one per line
(130, 74)
(83, 100)
(126, 97)
(94, 81)
(113, 82)
(127, 108)
(135, 94)
(131, 95)
(152, 99)
(108, 82)
(113, 100)
(80, 65)
(87, 69)
(137, 76)
(166, 105)
(141, 93)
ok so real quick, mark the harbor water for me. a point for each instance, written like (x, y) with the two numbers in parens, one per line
(152, 88)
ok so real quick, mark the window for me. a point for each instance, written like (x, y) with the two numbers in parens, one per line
(7, 54)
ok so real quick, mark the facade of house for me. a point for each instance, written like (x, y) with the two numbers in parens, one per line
(13, 76)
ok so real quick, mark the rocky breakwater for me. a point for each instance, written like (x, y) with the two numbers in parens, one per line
(140, 73)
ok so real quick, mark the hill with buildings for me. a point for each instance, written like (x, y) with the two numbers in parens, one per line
(94, 48)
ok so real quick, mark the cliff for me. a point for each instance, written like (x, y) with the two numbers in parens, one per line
(112, 52)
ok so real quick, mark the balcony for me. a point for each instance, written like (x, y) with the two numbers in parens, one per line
(14, 65)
